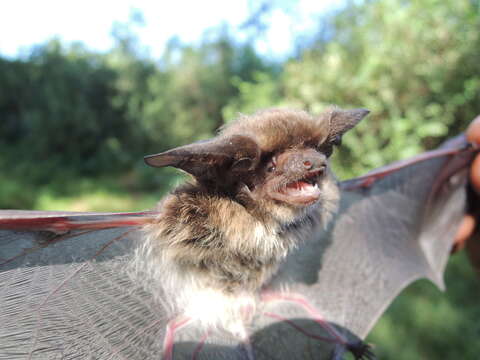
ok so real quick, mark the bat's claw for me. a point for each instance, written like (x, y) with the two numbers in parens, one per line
(361, 350)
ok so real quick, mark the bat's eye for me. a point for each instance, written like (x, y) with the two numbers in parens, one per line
(272, 165)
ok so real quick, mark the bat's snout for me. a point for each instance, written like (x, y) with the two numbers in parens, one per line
(304, 161)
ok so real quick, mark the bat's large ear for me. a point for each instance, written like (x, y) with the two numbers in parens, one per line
(208, 159)
(343, 120)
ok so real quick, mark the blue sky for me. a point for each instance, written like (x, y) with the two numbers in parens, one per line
(24, 23)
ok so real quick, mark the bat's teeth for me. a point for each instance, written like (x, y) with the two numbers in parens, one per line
(304, 191)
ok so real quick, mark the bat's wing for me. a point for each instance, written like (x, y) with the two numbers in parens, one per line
(66, 292)
(66, 295)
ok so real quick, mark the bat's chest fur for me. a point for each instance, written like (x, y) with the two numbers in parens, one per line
(209, 258)
(242, 260)
(218, 242)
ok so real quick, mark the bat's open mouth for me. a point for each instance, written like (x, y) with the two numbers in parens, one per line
(301, 192)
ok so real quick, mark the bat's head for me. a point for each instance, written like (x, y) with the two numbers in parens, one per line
(274, 160)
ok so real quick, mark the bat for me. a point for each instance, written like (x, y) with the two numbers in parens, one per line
(259, 187)
(263, 255)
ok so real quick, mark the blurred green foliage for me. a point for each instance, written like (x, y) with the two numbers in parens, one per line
(414, 64)
(75, 124)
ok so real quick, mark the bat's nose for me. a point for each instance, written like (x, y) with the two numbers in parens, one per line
(308, 164)
(313, 161)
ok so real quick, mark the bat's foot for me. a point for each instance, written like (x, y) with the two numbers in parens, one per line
(359, 349)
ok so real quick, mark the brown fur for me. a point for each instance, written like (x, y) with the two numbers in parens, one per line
(224, 231)
(280, 129)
